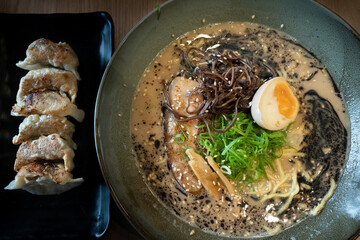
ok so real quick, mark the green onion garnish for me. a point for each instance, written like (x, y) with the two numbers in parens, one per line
(246, 149)
(179, 138)
(181, 130)
(158, 12)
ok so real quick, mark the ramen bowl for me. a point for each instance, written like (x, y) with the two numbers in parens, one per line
(318, 30)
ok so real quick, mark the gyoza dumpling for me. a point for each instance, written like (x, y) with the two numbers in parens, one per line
(35, 126)
(44, 179)
(50, 148)
(43, 53)
(48, 79)
(46, 103)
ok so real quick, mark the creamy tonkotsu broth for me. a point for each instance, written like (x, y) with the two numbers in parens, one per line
(306, 174)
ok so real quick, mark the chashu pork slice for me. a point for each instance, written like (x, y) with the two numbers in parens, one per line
(180, 135)
(35, 126)
(48, 79)
(51, 148)
(177, 159)
(44, 179)
(46, 103)
(43, 53)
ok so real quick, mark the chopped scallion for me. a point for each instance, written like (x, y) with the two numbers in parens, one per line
(158, 12)
(179, 138)
(246, 148)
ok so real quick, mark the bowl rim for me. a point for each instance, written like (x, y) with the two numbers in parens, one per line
(98, 147)
(99, 150)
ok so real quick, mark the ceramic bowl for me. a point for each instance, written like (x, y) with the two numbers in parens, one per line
(316, 28)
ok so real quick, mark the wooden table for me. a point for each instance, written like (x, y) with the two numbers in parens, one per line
(125, 14)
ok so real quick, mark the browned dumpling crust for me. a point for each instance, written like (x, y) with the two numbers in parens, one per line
(50, 148)
(35, 126)
(44, 179)
(43, 53)
(46, 103)
(46, 96)
(48, 79)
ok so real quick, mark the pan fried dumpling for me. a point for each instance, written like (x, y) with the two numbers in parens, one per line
(50, 148)
(48, 79)
(35, 126)
(46, 103)
(43, 53)
(44, 179)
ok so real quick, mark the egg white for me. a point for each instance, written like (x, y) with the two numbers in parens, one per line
(265, 107)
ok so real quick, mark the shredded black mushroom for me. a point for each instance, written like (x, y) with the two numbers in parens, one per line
(227, 83)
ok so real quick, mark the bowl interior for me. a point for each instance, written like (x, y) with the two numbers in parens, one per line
(316, 28)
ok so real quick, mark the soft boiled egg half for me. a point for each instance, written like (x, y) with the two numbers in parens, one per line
(274, 105)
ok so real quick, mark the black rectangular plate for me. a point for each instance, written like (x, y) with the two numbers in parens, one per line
(82, 212)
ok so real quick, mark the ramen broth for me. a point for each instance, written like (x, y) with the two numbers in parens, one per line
(320, 132)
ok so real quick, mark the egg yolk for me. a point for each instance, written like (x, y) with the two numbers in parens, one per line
(286, 100)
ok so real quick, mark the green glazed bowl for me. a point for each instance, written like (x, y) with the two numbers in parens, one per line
(316, 28)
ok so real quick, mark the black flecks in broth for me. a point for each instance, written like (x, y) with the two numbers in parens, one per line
(321, 107)
(326, 142)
